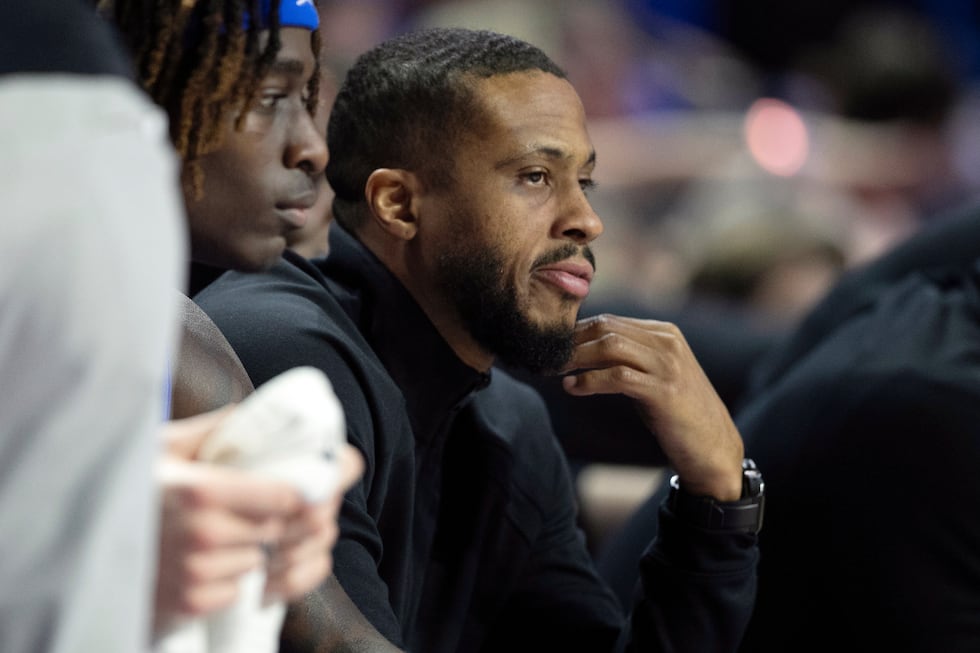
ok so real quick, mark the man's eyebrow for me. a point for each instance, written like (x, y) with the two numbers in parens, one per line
(546, 151)
(293, 67)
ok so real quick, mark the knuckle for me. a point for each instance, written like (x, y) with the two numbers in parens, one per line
(671, 390)
(200, 537)
(672, 345)
(287, 558)
(330, 534)
(193, 604)
(292, 580)
(623, 375)
(191, 496)
(612, 343)
(320, 518)
(600, 322)
(192, 571)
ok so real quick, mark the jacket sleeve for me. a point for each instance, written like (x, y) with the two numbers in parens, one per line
(888, 550)
(696, 589)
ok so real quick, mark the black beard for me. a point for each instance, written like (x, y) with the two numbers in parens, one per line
(491, 314)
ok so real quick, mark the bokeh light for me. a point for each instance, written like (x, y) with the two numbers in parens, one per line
(776, 137)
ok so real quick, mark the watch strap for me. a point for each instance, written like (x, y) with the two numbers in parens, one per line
(707, 513)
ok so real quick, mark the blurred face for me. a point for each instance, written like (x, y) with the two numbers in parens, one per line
(511, 240)
(260, 184)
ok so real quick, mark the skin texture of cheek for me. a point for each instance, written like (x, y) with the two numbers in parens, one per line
(229, 235)
(236, 211)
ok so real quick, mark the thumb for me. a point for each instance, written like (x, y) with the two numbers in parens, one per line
(183, 437)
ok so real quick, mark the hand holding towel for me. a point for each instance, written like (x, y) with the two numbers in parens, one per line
(291, 429)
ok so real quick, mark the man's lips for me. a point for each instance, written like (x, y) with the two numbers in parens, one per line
(572, 277)
(295, 212)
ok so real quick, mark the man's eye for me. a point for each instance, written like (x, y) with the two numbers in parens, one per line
(270, 100)
(586, 185)
(536, 177)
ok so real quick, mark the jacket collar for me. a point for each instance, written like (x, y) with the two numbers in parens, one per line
(434, 381)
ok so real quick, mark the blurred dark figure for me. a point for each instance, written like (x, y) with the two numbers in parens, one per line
(890, 66)
(865, 421)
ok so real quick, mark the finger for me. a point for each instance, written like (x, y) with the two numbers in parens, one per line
(621, 349)
(183, 437)
(226, 564)
(310, 520)
(316, 544)
(595, 326)
(296, 580)
(633, 343)
(198, 484)
(618, 379)
(351, 464)
(316, 516)
(609, 349)
(210, 529)
(208, 598)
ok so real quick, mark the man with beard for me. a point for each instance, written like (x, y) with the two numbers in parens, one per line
(460, 163)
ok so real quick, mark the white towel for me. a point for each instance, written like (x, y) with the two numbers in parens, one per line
(290, 429)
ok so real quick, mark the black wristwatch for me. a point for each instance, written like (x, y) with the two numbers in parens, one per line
(742, 516)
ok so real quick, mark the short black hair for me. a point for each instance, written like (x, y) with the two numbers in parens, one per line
(404, 103)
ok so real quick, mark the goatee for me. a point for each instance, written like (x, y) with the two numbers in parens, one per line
(491, 313)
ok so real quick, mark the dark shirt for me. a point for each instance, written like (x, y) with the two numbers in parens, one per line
(462, 534)
(58, 36)
(948, 239)
(870, 444)
(864, 423)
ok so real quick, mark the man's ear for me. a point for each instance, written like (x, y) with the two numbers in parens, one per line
(389, 193)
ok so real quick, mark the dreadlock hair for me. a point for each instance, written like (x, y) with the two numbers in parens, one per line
(405, 103)
(201, 61)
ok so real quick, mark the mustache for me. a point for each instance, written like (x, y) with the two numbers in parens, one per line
(565, 252)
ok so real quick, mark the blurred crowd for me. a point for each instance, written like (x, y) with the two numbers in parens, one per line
(741, 167)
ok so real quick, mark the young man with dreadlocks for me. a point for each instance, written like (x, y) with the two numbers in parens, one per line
(238, 81)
